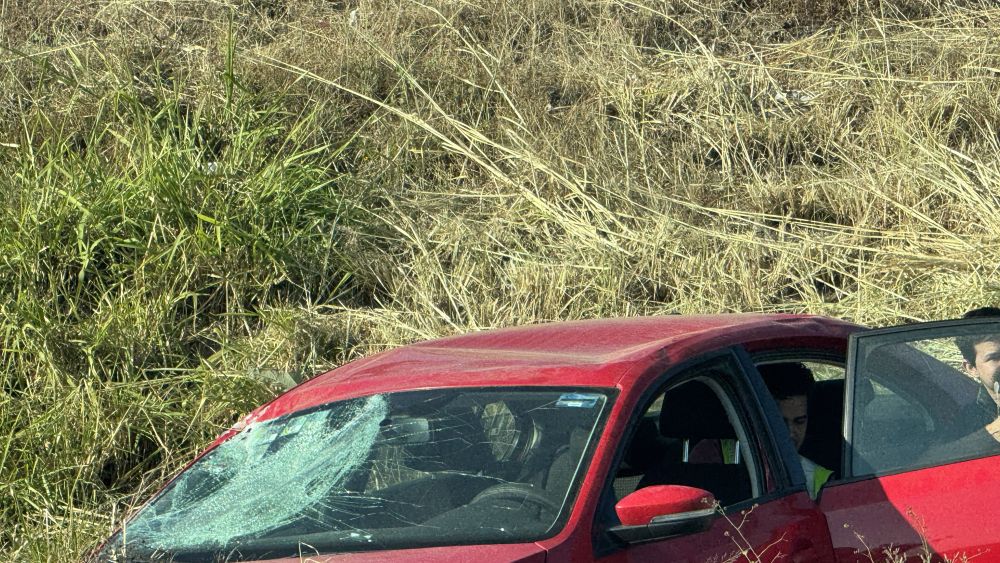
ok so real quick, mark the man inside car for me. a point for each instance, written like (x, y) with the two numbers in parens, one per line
(789, 384)
(981, 353)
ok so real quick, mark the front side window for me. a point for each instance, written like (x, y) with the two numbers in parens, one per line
(692, 434)
(924, 396)
(414, 469)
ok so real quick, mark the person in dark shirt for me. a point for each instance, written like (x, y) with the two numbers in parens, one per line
(981, 353)
(981, 359)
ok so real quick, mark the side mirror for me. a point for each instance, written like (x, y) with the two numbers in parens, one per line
(664, 511)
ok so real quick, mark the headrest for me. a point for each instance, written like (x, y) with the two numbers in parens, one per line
(826, 407)
(693, 411)
(578, 438)
(645, 447)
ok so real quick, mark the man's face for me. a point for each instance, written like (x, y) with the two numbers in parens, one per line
(793, 410)
(987, 366)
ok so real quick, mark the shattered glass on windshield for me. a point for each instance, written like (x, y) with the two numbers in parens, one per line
(264, 477)
(387, 471)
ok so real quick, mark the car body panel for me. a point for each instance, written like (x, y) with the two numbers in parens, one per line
(950, 507)
(789, 528)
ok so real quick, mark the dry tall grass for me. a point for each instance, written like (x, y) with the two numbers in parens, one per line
(201, 200)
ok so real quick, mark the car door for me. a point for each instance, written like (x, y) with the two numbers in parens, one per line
(703, 426)
(922, 475)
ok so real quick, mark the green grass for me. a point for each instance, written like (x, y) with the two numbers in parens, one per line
(202, 201)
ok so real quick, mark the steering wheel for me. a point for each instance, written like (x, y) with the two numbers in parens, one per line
(517, 492)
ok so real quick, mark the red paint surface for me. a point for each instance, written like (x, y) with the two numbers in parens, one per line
(643, 505)
(625, 353)
(788, 529)
(955, 508)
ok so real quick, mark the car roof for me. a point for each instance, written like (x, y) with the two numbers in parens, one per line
(593, 353)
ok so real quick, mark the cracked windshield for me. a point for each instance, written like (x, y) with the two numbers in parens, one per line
(410, 469)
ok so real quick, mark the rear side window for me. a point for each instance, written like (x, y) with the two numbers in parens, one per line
(918, 401)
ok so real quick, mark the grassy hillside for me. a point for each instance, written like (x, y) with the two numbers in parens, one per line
(202, 201)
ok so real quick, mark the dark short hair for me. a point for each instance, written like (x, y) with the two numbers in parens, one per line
(967, 344)
(787, 379)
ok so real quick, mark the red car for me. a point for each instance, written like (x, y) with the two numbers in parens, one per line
(576, 441)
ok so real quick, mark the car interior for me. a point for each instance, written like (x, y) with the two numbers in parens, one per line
(693, 414)
(532, 453)
(414, 469)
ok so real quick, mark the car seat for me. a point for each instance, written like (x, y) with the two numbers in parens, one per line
(693, 412)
